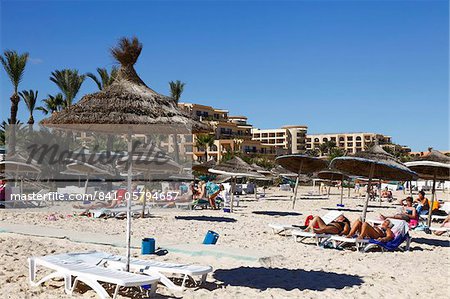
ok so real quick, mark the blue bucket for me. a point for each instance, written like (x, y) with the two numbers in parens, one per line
(148, 246)
(211, 238)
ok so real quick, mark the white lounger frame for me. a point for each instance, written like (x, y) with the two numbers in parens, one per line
(88, 274)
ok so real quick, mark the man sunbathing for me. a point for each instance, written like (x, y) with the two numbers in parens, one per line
(339, 226)
(382, 233)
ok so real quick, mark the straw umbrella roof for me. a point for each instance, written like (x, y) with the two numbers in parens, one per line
(260, 169)
(235, 167)
(281, 171)
(429, 165)
(332, 175)
(203, 167)
(307, 164)
(80, 167)
(386, 166)
(128, 100)
(149, 159)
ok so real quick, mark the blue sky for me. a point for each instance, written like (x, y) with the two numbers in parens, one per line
(336, 66)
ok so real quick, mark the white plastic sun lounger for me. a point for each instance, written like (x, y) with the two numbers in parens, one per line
(300, 235)
(363, 245)
(68, 268)
(113, 212)
(149, 267)
(284, 229)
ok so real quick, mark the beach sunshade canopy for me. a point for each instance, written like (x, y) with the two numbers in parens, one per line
(235, 167)
(281, 171)
(203, 167)
(302, 163)
(260, 169)
(385, 166)
(17, 164)
(127, 106)
(373, 163)
(80, 167)
(431, 165)
(332, 175)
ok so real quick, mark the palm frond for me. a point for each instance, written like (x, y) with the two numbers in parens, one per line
(14, 65)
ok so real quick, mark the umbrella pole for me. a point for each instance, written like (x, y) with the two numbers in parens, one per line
(256, 190)
(410, 189)
(86, 184)
(232, 195)
(372, 168)
(342, 191)
(127, 268)
(380, 192)
(296, 184)
(430, 210)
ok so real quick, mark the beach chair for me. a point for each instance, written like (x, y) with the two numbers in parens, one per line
(400, 229)
(70, 268)
(300, 235)
(284, 229)
(147, 267)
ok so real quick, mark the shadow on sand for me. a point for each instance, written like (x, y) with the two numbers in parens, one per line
(345, 210)
(276, 213)
(432, 242)
(206, 218)
(287, 279)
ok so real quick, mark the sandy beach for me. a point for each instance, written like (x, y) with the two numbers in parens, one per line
(290, 269)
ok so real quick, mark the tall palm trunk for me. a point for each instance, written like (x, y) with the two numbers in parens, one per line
(15, 99)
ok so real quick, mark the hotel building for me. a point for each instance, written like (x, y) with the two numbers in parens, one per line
(349, 142)
(232, 134)
(286, 140)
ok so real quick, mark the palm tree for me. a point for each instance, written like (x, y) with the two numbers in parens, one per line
(176, 89)
(14, 65)
(52, 104)
(30, 99)
(104, 79)
(69, 82)
(204, 140)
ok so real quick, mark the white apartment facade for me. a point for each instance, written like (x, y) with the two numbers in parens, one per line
(286, 140)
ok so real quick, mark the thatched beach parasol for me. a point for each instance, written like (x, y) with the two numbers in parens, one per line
(433, 166)
(84, 168)
(127, 106)
(203, 167)
(334, 175)
(373, 163)
(300, 164)
(235, 167)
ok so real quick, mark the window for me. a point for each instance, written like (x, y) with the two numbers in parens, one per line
(308, 139)
(349, 138)
(325, 139)
(213, 148)
(316, 139)
(341, 139)
(358, 138)
(333, 139)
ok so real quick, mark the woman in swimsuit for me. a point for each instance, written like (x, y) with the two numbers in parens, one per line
(339, 226)
(382, 233)
(407, 213)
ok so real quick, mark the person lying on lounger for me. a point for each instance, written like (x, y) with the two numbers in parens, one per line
(446, 223)
(407, 213)
(382, 233)
(339, 226)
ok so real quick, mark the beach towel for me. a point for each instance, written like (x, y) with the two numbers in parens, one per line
(391, 245)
